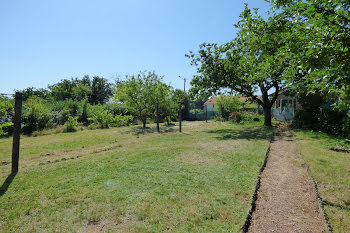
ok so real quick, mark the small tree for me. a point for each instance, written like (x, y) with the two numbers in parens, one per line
(140, 93)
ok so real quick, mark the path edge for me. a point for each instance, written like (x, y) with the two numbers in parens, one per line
(248, 219)
(327, 226)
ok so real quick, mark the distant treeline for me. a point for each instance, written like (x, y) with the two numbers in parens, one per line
(95, 103)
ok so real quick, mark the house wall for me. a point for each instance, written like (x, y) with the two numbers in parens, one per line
(284, 108)
(210, 107)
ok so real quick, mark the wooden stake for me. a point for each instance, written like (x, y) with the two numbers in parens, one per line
(16, 132)
(157, 117)
(180, 118)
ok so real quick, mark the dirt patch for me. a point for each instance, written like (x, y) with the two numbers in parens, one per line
(119, 224)
(197, 159)
(286, 199)
(208, 152)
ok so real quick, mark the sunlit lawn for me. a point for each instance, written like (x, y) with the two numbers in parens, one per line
(127, 180)
(331, 171)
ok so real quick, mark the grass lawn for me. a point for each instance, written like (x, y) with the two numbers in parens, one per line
(331, 171)
(130, 180)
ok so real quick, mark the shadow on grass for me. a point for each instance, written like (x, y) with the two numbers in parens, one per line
(140, 130)
(346, 205)
(7, 183)
(249, 133)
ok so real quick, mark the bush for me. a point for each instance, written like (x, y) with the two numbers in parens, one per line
(235, 117)
(6, 116)
(4, 125)
(36, 115)
(120, 120)
(101, 119)
(226, 105)
(245, 117)
(324, 119)
(71, 124)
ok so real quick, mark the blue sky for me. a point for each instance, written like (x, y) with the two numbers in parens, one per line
(44, 41)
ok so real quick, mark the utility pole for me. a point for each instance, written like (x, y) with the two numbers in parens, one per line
(184, 82)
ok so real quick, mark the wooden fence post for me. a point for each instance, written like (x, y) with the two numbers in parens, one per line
(16, 132)
(206, 113)
(157, 117)
(180, 118)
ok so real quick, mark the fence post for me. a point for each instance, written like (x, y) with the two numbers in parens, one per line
(16, 132)
(157, 117)
(180, 118)
(206, 113)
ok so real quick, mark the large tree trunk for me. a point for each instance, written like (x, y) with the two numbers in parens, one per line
(144, 123)
(267, 116)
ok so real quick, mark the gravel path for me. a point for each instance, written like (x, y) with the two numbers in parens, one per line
(286, 198)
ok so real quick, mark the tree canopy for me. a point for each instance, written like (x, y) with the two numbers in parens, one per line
(252, 61)
(317, 43)
(140, 94)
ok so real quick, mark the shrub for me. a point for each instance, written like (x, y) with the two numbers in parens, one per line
(235, 117)
(36, 115)
(6, 116)
(325, 119)
(4, 125)
(226, 105)
(101, 119)
(120, 120)
(71, 124)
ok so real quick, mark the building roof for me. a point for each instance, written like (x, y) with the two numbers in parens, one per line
(212, 100)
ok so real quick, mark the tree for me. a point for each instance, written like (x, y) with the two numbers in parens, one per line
(31, 91)
(140, 93)
(180, 96)
(317, 43)
(101, 90)
(252, 61)
(63, 90)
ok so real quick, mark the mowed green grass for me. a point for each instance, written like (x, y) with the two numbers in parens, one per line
(127, 180)
(331, 171)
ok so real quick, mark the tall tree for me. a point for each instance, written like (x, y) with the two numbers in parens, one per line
(101, 90)
(318, 44)
(252, 61)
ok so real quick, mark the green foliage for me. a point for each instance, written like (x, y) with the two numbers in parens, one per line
(245, 117)
(120, 120)
(4, 125)
(35, 115)
(39, 92)
(139, 95)
(103, 119)
(71, 124)
(61, 110)
(323, 119)
(97, 90)
(252, 61)
(101, 90)
(227, 105)
(6, 115)
(318, 45)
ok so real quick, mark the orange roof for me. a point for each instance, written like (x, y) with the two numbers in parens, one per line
(212, 100)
